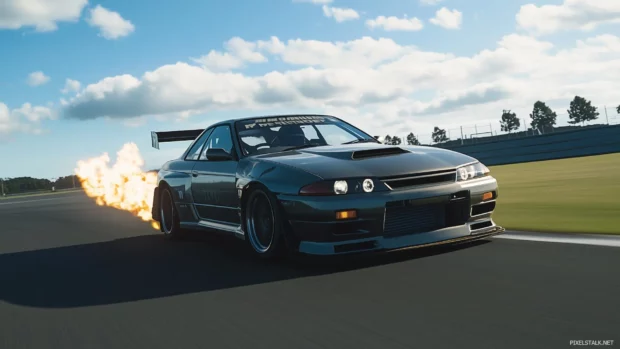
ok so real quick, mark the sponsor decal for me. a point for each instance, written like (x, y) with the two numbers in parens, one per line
(285, 120)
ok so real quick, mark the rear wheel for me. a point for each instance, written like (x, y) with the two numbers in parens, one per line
(263, 225)
(169, 217)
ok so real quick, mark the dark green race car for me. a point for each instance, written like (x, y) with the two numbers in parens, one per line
(315, 184)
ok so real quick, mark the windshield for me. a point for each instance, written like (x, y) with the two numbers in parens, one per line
(272, 134)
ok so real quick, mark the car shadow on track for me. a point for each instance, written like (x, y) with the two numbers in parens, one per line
(147, 267)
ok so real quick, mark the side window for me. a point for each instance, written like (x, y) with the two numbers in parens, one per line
(220, 138)
(194, 152)
(310, 132)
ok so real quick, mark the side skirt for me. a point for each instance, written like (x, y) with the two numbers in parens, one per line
(235, 230)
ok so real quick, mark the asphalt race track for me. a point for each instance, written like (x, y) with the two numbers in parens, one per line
(76, 275)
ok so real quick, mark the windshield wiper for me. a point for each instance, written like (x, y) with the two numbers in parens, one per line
(362, 141)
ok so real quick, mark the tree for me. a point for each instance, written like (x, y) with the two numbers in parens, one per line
(581, 111)
(510, 122)
(543, 117)
(412, 139)
(66, 182)
(387, 140)
(618, 109)
(396, 140)
(25, 184)
(439, 135)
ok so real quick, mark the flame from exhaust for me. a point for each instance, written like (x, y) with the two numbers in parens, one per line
(123, 186)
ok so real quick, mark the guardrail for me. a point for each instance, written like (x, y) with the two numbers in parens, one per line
(575, 143)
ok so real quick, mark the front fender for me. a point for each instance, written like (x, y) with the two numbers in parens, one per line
(278, 178)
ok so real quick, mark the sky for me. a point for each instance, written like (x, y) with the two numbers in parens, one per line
(81, 78)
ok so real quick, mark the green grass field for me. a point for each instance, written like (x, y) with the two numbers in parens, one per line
(579, 195)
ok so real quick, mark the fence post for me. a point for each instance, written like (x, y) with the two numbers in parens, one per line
(461, 135)
(606, 117)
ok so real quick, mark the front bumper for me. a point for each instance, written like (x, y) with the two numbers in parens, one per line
(399, 219)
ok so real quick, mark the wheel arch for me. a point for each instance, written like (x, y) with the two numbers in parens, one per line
(290, 239)
(155, 213)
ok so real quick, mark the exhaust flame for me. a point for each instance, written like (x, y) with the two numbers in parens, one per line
(123, 186)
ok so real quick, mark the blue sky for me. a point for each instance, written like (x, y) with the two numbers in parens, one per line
(450, 70)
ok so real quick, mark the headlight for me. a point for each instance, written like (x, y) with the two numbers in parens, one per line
(368, 185)
(341, 187)
(471, 171)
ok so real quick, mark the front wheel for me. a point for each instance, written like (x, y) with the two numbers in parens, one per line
(263, 225)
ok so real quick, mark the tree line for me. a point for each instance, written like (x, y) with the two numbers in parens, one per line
(26, 184)
(543, 118)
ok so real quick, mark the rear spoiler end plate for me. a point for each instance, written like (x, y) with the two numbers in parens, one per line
(174, 136)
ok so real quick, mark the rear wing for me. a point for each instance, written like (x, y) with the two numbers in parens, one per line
(174, 136)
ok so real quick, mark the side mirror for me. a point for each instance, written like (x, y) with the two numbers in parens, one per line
(218, 154)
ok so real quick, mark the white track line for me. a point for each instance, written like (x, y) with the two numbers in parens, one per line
(596, 240)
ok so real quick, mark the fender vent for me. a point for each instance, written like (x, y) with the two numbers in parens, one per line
(363, 154)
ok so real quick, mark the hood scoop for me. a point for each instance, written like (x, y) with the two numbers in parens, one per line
(373, 153)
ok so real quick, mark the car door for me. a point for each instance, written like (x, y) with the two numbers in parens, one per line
(214, 180)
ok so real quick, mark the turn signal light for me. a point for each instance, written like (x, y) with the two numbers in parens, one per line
(487, 196)
(350, 214)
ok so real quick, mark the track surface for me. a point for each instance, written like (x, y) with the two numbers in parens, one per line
(76, 275)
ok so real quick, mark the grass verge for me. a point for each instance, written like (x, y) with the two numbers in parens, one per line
(579, 195)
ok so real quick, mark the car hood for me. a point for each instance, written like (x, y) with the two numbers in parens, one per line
(368, 160)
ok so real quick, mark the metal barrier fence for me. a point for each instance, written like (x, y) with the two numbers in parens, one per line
(490, 130)
(573, 143)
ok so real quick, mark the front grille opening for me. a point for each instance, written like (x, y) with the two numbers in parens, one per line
(358, 246)
(479, 209)
(457, 213)
(405, 220)
(481, 225)
(363, 154)
(420, 179)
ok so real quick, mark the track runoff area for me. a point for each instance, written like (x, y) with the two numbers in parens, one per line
(77, 275)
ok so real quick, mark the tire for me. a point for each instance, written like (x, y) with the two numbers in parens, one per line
(169, 217)
(263, 225)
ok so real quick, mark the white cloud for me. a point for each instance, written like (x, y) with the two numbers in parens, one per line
(25, 119)
(71, 86)
(430, 2)
(43, 15)
(585, 15)
(358, 53)
(375, 83)
(449, 19)
(34, 113)
(393, 23)
(111, 25)
(37, 78)
(340, 14)
(239, 52)
(220, 61)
